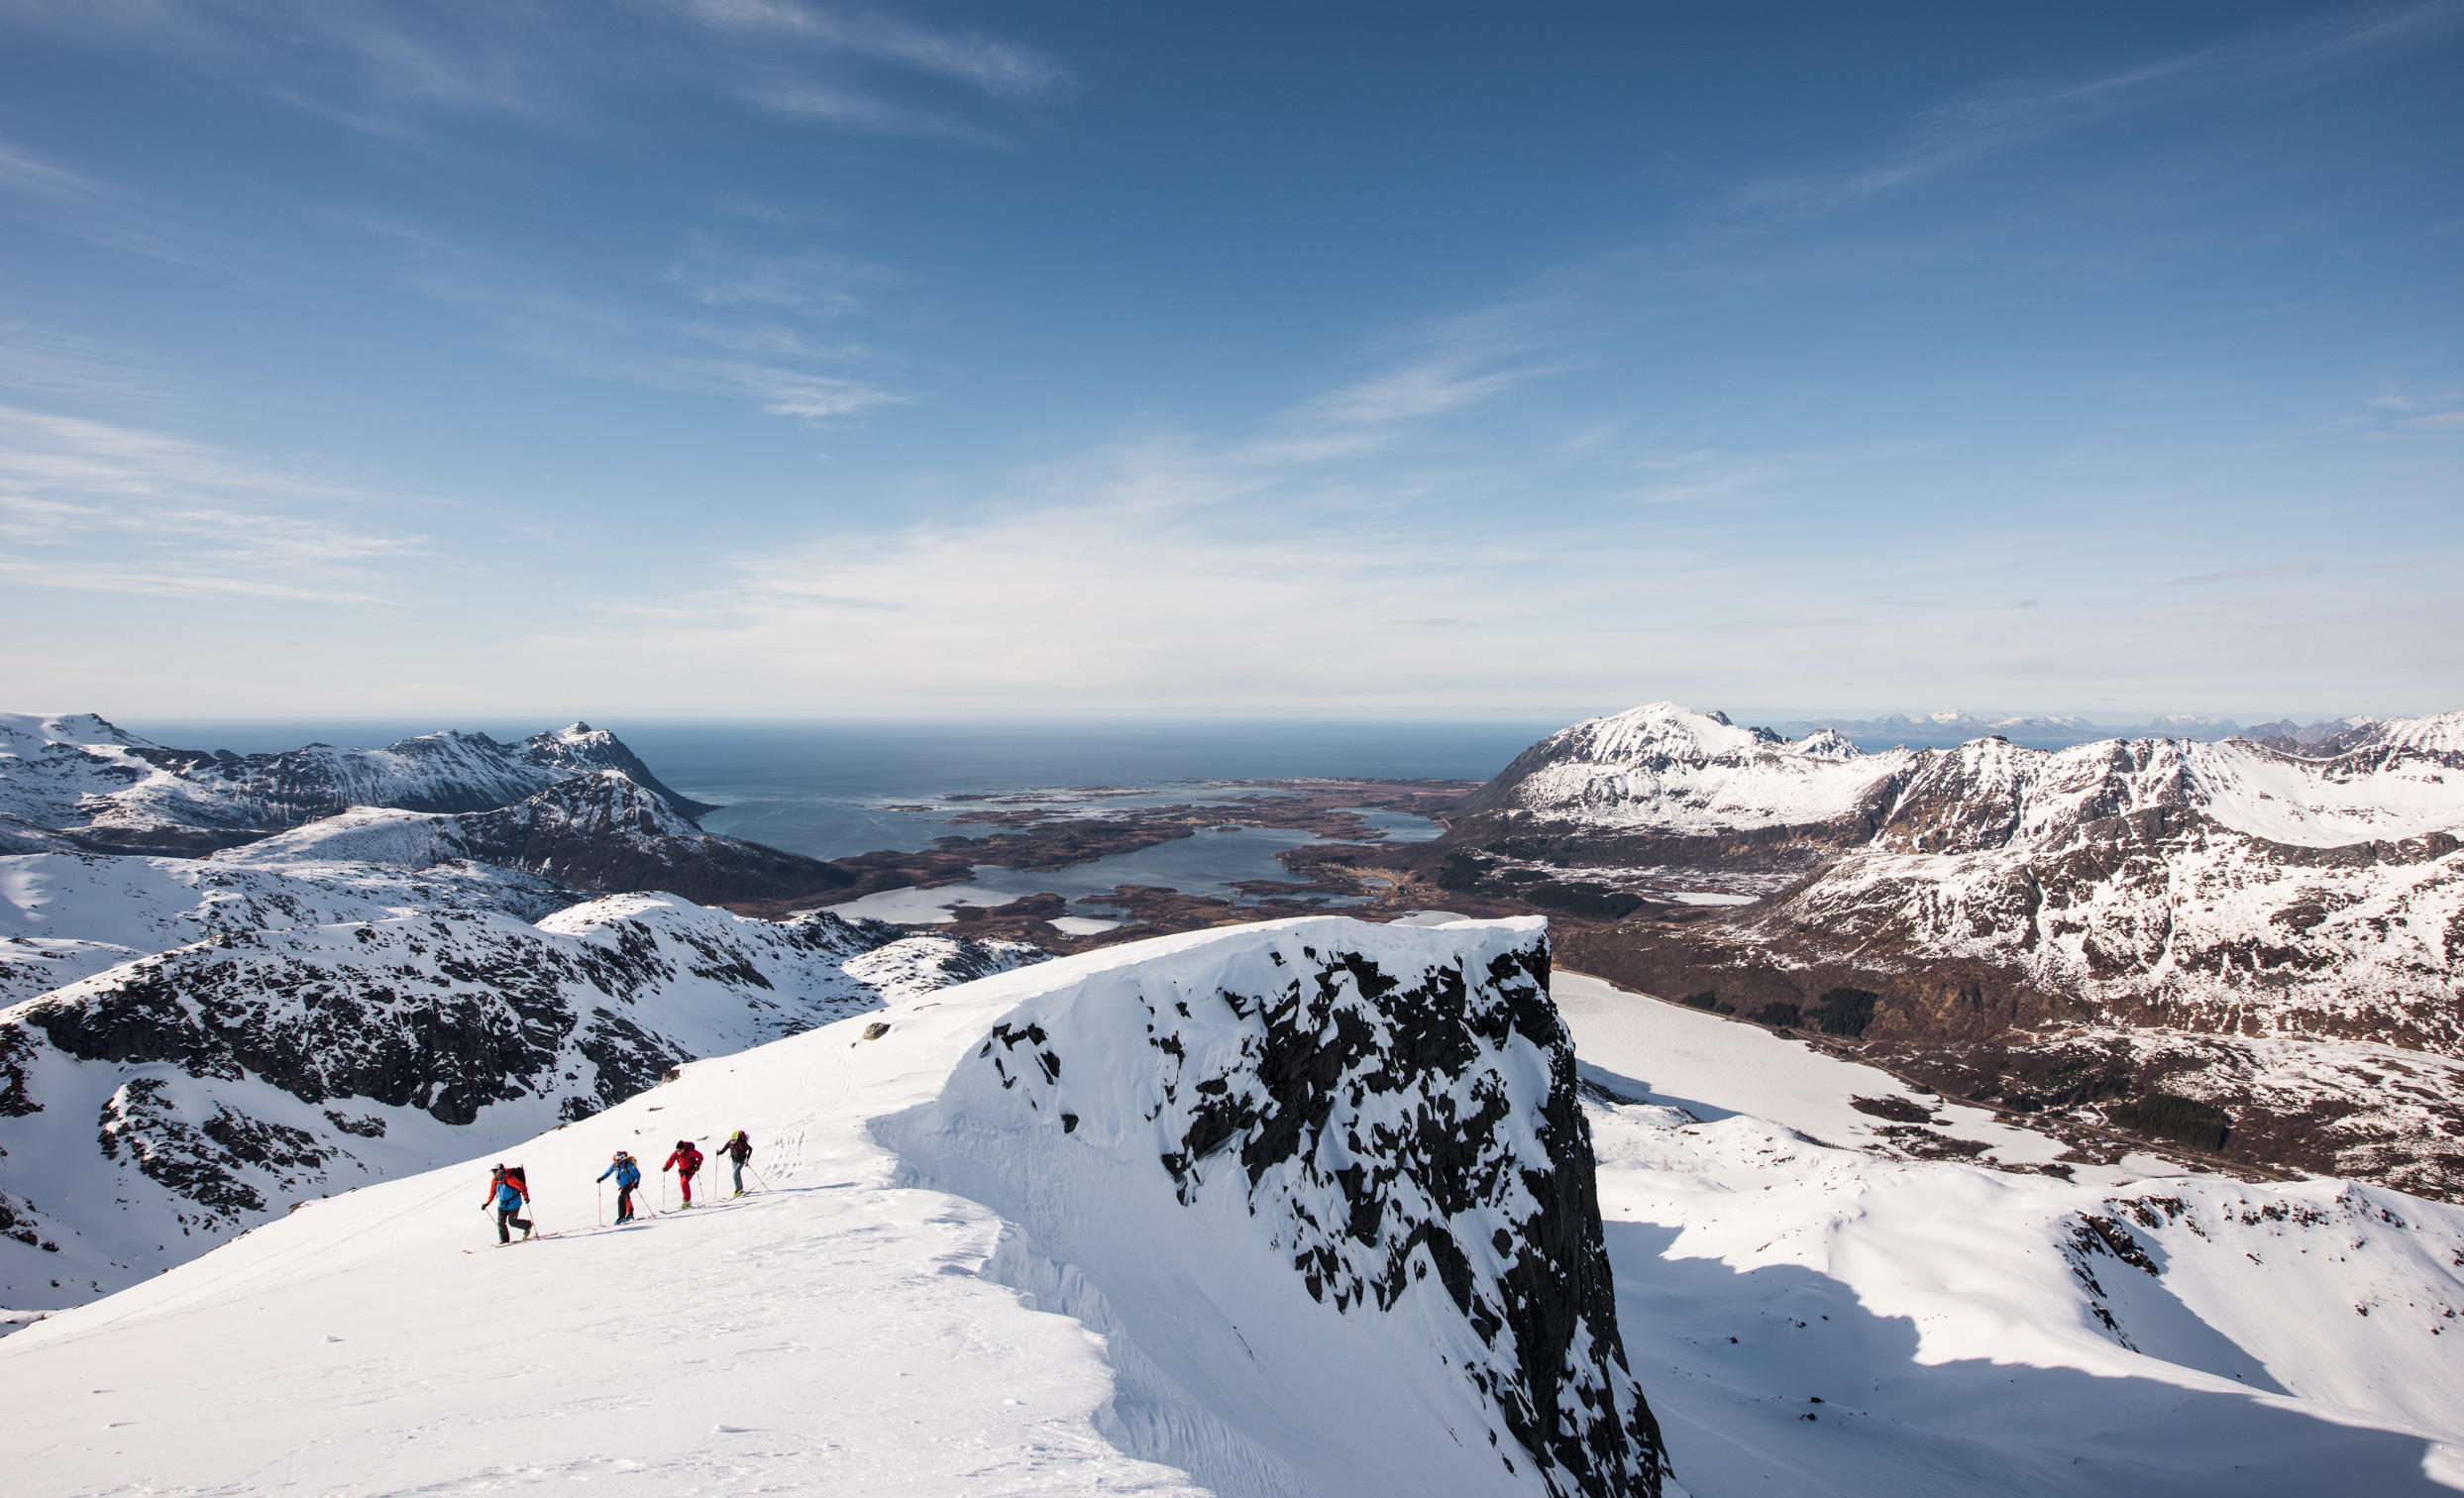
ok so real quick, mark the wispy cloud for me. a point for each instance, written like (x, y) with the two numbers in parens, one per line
(776, 366)
(50, 362)
(381, 66)
(88, 505)
(1450, 366)
(811, 281)
(42, 191)
(2009, 115)
(361, 63)
(999, 68)
(388, 65)
(836, 104)
(782, 392)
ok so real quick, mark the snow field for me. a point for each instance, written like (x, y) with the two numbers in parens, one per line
(1942, 1313)
(829, 1336)
(884, 1317)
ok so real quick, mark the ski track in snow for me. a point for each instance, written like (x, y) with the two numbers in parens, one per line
(843, 1333)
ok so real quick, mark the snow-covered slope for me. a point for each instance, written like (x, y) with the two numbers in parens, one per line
(80, 781)
(1664, 769)
(857, 1329)
(1835, 1319)
(1805, 1317)
(282, 1056)
(70, 915)
(598, 830)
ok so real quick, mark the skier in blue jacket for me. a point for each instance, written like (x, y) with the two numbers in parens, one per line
(506, 1194)
(628, 1175)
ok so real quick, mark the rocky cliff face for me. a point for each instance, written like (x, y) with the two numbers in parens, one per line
(157, 1107)
(1389, 1114)
(1989, 900)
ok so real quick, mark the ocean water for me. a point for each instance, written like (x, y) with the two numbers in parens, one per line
(828, 791)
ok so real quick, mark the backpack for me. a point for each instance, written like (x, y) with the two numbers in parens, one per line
(512, 1175)
(628, 1173)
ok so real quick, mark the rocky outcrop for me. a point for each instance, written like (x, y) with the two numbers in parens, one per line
(1393, 1114)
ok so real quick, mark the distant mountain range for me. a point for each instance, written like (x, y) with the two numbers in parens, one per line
(79, 780)
(1942, 730)
(2269, 940)
(573, 804)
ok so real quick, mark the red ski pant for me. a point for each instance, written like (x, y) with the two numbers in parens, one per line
(684, 1183)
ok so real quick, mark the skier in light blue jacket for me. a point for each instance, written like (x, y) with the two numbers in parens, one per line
(628, 1175)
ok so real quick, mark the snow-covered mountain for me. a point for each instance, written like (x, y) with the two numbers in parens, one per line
(598, 830)
(954, 1286)
(80, 781)
(2139, 888)
(329, 1026)
(1664, 769)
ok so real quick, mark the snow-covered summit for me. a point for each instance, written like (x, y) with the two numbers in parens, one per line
(1667, 768)
(19, 729)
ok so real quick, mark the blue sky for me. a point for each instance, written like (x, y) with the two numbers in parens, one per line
(763, 358)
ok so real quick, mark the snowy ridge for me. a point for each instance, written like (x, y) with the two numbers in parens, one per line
(80, 781)
(22, 730)
(2408, 784)
(1666, 769)
(1380, 1123)
(267, 1063)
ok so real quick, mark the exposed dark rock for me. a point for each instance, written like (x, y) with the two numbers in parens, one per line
(1402, 1076)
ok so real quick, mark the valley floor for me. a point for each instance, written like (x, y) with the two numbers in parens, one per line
(1809, 1310)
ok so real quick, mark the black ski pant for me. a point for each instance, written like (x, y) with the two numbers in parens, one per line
(506, 1222)
(624, 1204)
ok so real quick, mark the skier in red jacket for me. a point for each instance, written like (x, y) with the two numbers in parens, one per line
(685, 1161)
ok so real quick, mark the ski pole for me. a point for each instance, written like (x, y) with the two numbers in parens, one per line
(757, 1177)
(602, 1204)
